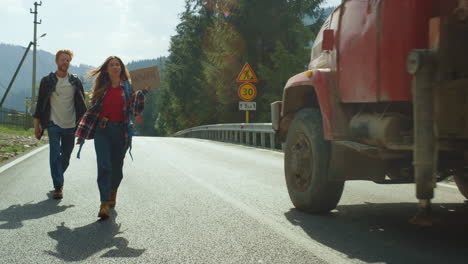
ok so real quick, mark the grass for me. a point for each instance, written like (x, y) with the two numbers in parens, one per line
(9, 129)
(15, 140)
(14, 149)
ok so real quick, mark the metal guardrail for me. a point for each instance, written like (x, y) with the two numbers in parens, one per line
(15, 118)
(252, 134)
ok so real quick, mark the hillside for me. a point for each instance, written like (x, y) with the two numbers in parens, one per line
(11, 56)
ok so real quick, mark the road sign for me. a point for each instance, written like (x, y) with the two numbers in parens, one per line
(247, 106)
(247, 74)
(247, 92)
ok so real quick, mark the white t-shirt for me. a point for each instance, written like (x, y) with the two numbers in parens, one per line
(62, 104)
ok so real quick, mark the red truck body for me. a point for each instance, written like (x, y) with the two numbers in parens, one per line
(362, 80)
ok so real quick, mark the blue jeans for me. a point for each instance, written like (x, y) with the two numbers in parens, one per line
(61, 143)
(110, 153)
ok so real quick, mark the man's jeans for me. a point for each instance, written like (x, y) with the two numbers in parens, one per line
(109, 145)
(61, 143)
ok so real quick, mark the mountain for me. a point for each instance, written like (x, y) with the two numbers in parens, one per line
(45, 63)
(133, 65)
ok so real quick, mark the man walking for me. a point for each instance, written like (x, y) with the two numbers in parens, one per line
(60, 106)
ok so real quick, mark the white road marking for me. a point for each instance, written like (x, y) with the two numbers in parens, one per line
(447, 185)
(323, 252)
(20, 159)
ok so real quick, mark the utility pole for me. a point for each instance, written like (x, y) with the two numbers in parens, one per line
(14, 75)
(33, 94)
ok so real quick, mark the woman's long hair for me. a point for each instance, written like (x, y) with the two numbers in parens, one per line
(103, 81)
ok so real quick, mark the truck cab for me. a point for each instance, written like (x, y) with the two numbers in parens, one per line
(384, 99)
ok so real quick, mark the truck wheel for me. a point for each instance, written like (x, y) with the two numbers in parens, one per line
(462, 183)
(306, 162)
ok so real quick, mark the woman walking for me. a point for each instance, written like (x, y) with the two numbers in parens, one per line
(108, 121)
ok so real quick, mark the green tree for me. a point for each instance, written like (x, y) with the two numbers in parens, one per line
(221, 65)
(185, 101)
(149, 115)
(214, 40)
(271, 36)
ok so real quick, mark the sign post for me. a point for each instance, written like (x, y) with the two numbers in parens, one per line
(247, 91)
(247, 74)
(247, 106)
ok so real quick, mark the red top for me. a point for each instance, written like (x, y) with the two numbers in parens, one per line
(113, 105)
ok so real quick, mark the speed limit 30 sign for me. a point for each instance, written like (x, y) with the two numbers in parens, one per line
(247, 92)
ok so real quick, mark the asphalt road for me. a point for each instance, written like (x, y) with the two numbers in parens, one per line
(196, 201)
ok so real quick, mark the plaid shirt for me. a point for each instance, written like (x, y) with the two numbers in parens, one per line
(133, 106)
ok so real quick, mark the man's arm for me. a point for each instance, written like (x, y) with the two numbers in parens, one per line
(39, 99)
(38, 131)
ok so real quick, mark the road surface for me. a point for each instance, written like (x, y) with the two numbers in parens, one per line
(197, 201)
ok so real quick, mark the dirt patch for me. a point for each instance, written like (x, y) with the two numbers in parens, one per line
(12, 145)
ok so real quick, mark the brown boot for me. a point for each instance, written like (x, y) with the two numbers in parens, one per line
(113, 197)
(58, 194)
(104, 211)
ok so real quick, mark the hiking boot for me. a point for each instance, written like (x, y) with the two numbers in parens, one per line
(58, 194)
(113, 197)
(104, 211)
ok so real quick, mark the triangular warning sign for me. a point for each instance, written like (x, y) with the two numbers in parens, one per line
(247, 74)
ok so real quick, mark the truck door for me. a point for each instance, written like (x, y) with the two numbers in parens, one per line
(358, 51)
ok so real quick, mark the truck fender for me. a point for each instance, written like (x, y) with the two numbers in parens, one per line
(310, 89)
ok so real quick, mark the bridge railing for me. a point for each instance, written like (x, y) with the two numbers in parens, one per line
(252, 134)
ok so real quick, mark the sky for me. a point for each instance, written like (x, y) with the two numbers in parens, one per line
(96, 29)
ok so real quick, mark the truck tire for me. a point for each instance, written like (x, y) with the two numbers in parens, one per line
(462, 183)
(306, 163)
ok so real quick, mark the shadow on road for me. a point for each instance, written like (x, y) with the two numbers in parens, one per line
(15, 215)
(381, 233)
(81, 243)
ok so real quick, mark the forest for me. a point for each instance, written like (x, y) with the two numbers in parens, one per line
(213, 41)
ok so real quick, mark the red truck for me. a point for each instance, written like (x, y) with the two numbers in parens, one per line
(385, 99)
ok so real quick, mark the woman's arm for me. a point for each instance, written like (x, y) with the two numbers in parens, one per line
(137, 102)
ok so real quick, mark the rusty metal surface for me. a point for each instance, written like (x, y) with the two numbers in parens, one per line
(425, 140)
(451, 108)
(318, 90)
(335, 117)
(298, 93)
(276, 114)
(357, 47)
(453, 51)
(403, 27)
(450, 91)
(443, 7)
(384, 130)
(374, 38)
(346, 160)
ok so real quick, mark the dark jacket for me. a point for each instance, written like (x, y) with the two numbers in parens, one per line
(47, 87)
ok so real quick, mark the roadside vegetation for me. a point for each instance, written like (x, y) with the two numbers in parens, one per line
(213, 42)
(16, 140)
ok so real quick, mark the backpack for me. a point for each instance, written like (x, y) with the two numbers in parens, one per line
(130, 127)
